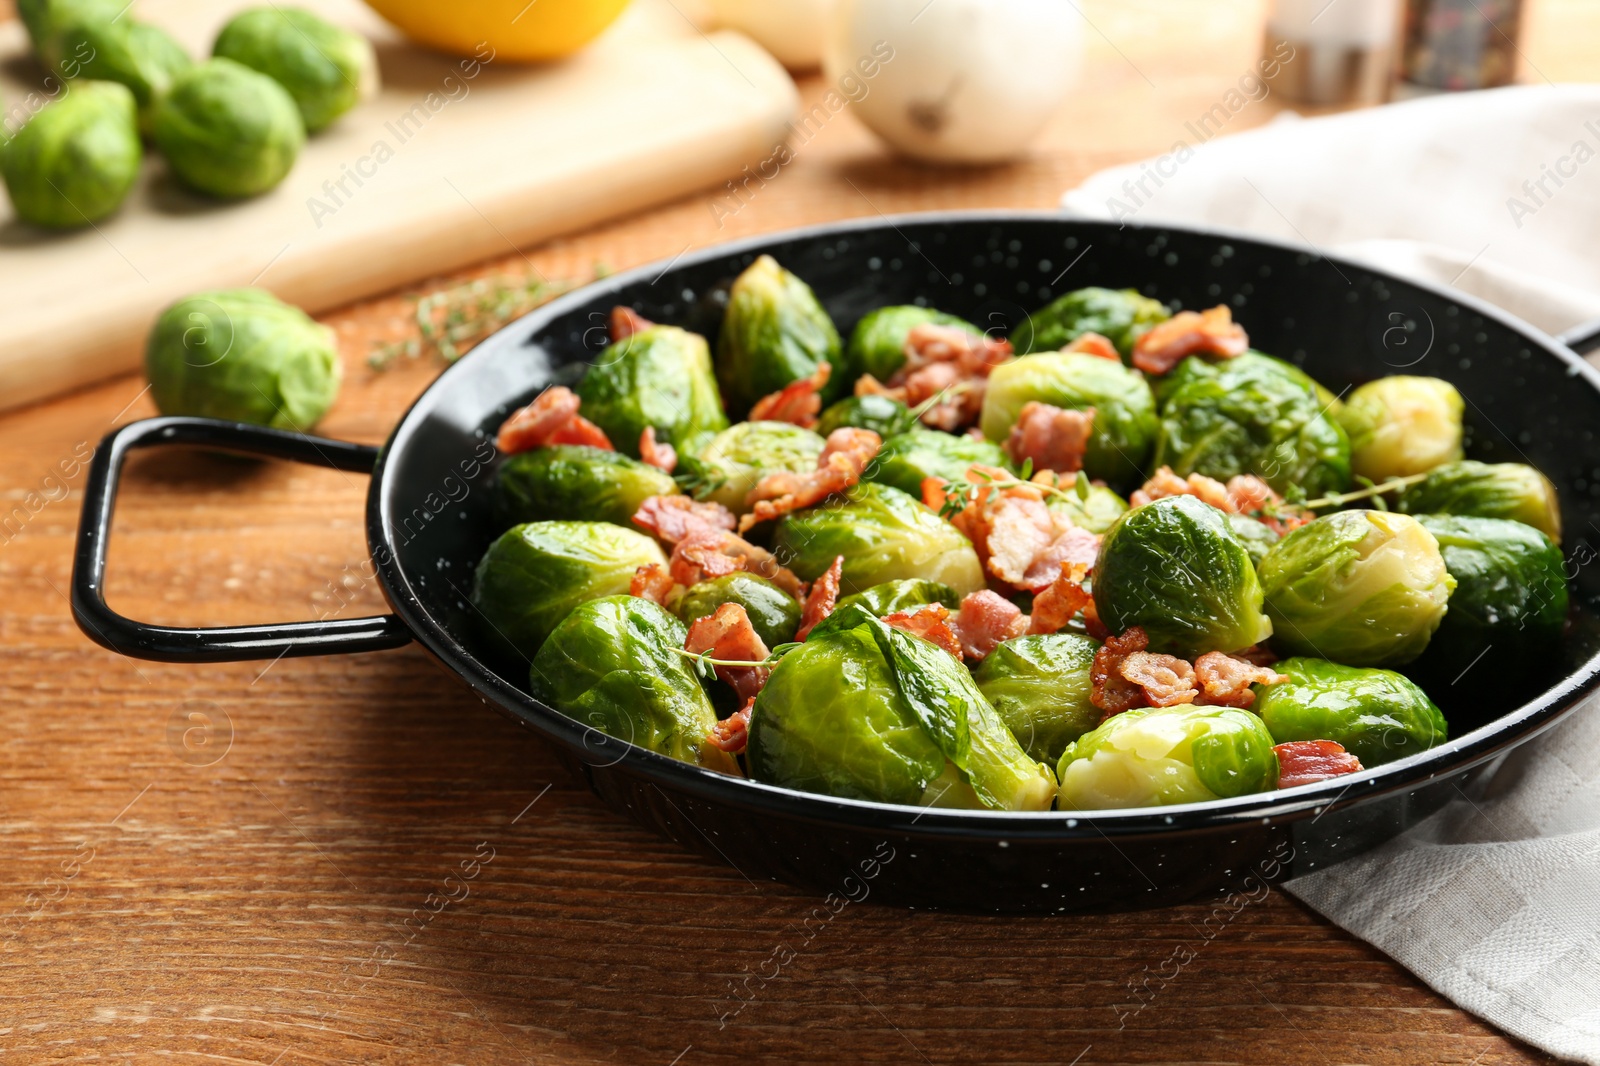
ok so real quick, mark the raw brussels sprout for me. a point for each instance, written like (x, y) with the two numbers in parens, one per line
(1097, 510)
(773, 613)
(1257, 537)
(1253, 419)
(1511, 595)
(1159, 756)
(535, 574)
(884, 415)
(613, 664)
(1366, 588)
(1197, 367)
(227, 130)
(883, 534)
(1121, 316)
(47, 22)
(1402, 425)
(1040, 686)
(1487, 490)
(729, 466)
(774, 332)
(886, 599)
(1124, 408)
(660, 377)
(905, 460)
(1376, 715)
(75, 161)
(245, 356)
(871, 712)
(877, 344)
(145, 58)
(1176, 568)
(577, 483)
(327, 69)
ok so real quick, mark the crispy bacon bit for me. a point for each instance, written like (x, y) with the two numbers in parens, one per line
(708, 552)
(662, 456)
(652, 582)
(1188, 333)
(552, 418)
(798, 402)
(1256, 655)
(625, 322)
(931, 622)
(1092, 624)
(1244, 494)
(845, 456)
(1092, 343)
(1225, 681)
(822, 598)
(732, 734)
(942, 359)
(672, 518)
(1110, 691)
(986, 619)
(1305, 762)
(1052, 437)
(1020, 540)
(728, 634)
(1166, 679)
(1061, 600)
(1072, 547)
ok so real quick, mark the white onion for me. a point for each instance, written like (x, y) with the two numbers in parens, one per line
(971, 81)
(792, 30)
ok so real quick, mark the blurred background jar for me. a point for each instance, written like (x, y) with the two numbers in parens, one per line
(1461, 44)
(1342, 51)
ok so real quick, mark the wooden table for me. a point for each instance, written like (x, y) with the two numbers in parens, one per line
(231, 887)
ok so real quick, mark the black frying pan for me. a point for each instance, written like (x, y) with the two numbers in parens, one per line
(1529, 398)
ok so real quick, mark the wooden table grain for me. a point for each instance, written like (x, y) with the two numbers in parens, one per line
(351, 859)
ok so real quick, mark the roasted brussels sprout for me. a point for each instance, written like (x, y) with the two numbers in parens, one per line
(74, 162)
(227, 130)
(1253, 419)
(613, 664)
(733, 461)
(1160, 756)
(1040, 686)
(327, 69)
(245, 356)
(145, 58)
(1366, 588)
(884, 415)
(47, 22)
(576, 483)
(871, 712)
(535, 574)
(1257, 537)
(1487, 490)
(774, 332)
(773, 613)
(1402, 425)
(1124, 408)
(1252, 362)
(884, 535)
(905, 460)
(1121, 316)
(877, 344)
(1511, 595)
(1176, 568)
(1376, 715)
(659, 377)
(1096, 510)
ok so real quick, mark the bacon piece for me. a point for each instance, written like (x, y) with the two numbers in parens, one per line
(662, 456)
(732, 734)
(822, 598)
(1256, 655)
(625, 322)
(552, 418)
(728, 634)
(1092, 343)
(798, 402)
(942, 359)
(985, 621)
(973, 355)
(1225, 680)
(843, 458)
(1073, 546)
(1305, 762)
(672, 518)
(931, 622)
(1016, 530)
(1189, 333)
(1020, 540)
(707, 553)
(1110, 691)
(1052, 437)
(1092, 624)
(653, 582)
(1054, 607)
(1166, 679)
(1244, 494)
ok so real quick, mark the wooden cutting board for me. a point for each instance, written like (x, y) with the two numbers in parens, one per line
(438, 170)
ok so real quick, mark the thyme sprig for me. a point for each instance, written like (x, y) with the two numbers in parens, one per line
(705, 664)
(958, 493)
(1371, 490)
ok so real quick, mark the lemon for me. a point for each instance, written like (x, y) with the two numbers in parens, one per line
(514, 29)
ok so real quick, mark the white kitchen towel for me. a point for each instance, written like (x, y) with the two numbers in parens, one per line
(1494, 901)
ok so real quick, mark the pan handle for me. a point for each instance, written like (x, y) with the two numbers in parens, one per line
(223, 643)
(1583, 338)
